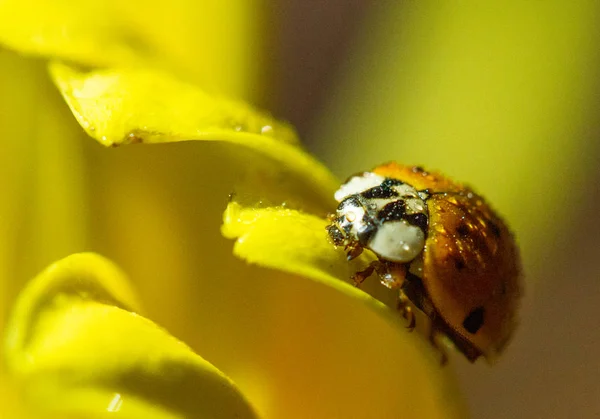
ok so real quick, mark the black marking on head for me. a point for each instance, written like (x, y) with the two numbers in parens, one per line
(336, 235)
(383, 191)
(379, 192)
(389, 182)
(352, 200)
(474, 320)
(494, 227)
(463, 230)
(394, 211)
(365, 235)
(418, 220)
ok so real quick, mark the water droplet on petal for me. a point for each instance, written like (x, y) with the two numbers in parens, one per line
(115, 403)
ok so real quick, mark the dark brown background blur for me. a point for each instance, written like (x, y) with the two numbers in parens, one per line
(552, 368)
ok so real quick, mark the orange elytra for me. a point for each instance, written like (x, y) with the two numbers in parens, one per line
(441, 245)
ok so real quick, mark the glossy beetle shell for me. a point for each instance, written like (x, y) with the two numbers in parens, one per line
(471, 265)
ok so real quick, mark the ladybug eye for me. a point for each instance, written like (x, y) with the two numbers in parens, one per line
(397, 241)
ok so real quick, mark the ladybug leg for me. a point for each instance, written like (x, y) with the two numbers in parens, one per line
(406, 310)
(359, 277)
(437, 339)
(353, 252)
(391, 275)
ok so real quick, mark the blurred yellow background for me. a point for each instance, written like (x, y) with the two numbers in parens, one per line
(503, 97)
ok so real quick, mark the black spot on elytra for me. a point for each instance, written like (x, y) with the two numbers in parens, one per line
(503, 288)
(462, 230)
(494, 227)
(418, 220)
(419, 169)
(394, 211)
(459, 264)
(474, 320)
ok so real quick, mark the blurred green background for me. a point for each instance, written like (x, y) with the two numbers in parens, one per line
(504, 97)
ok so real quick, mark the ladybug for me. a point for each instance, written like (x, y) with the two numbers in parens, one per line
(441, 246)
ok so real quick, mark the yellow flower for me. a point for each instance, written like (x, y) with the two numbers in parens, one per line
(277, 215)
(47, 168)
(272, 343)
(79, 346)
(292, 347)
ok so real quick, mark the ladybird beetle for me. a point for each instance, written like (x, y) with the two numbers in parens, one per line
(438, 243)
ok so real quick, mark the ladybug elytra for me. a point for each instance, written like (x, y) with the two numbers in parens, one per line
(441, 246)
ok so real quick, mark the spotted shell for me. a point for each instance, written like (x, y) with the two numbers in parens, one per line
(471, 264)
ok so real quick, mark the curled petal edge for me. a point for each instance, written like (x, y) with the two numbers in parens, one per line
(132, 106)
(75, 335)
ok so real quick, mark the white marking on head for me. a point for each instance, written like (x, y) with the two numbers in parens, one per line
(406, 190)
(397, 241)
(414, 205)
(358, 184)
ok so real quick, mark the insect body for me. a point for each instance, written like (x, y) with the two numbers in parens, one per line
(441, 246)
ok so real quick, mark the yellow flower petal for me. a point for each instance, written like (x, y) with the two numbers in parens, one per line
(134, 106)
(295, 242)
(77, 346)
(43, 205)
(58, 29)
(216, 43)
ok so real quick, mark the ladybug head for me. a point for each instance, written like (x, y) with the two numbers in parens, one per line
(381, 214)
